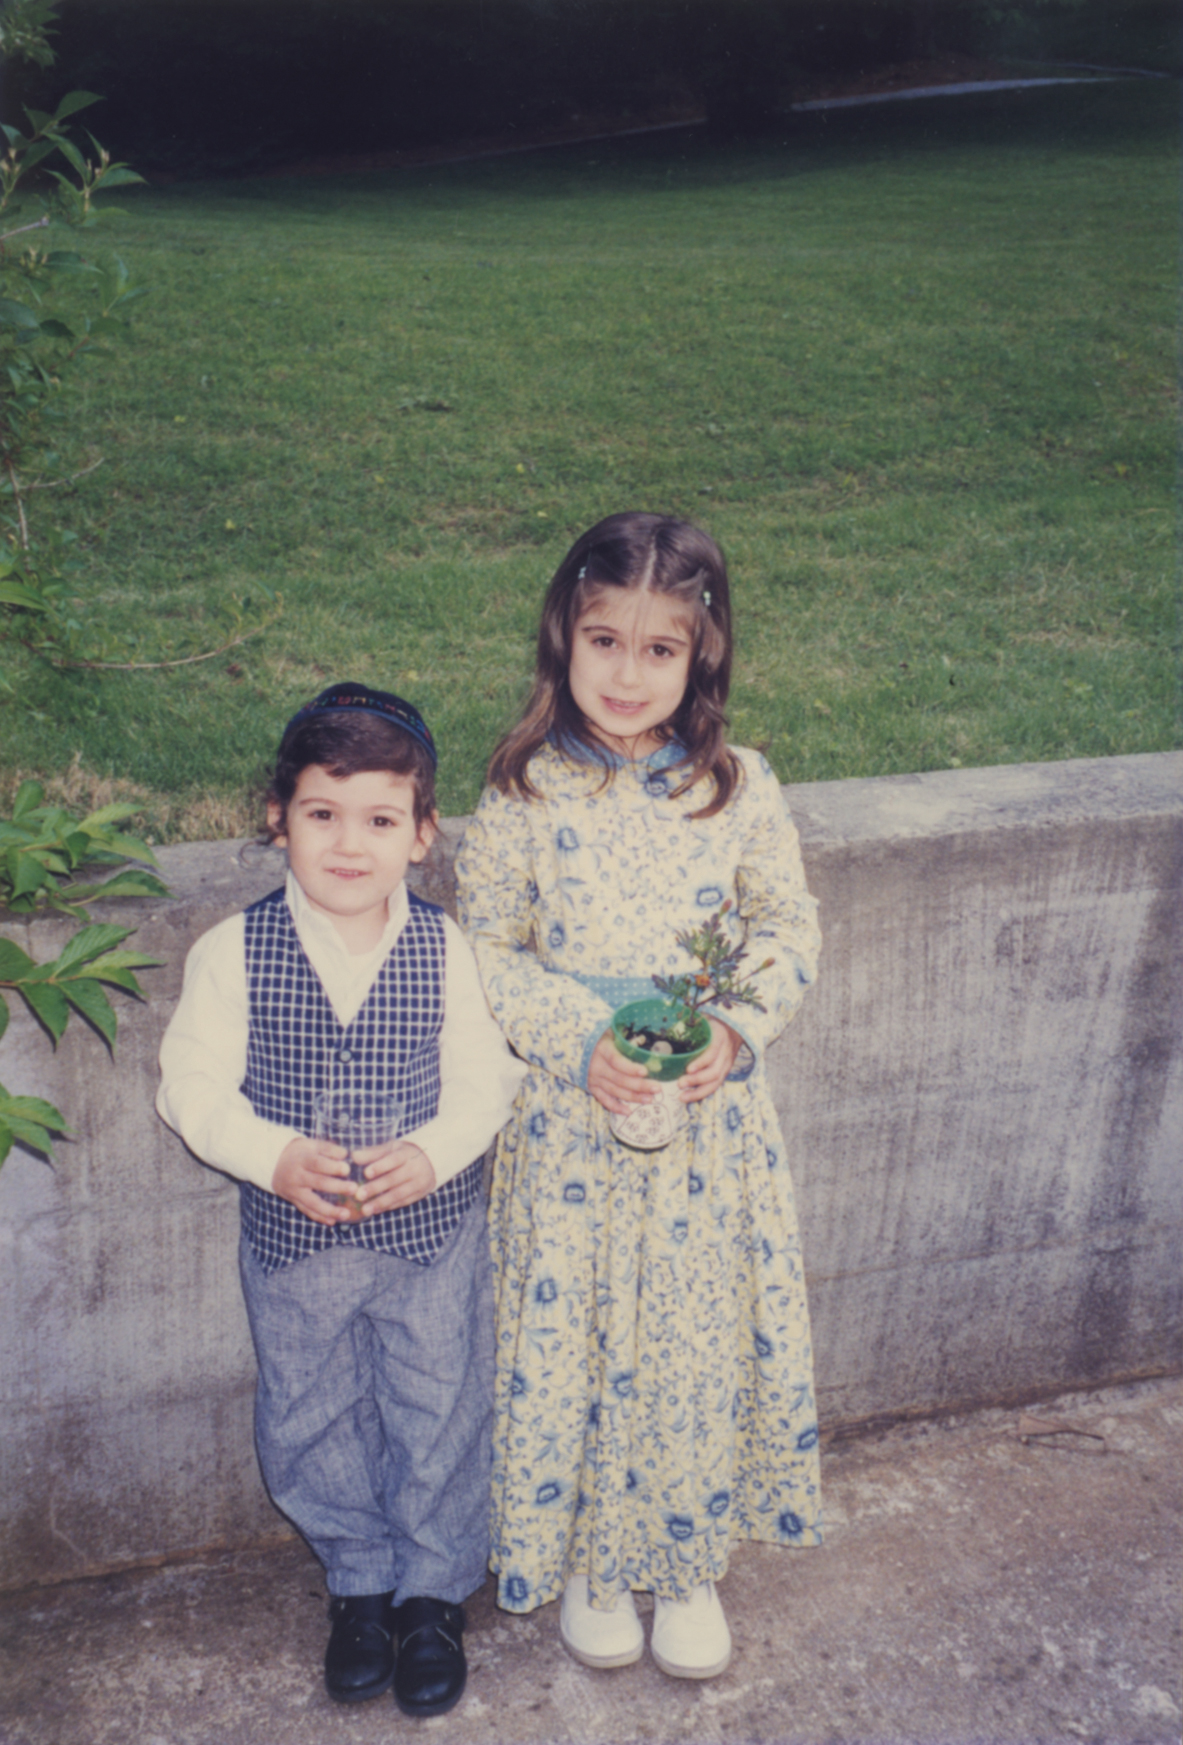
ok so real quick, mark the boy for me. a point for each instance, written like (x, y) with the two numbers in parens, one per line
(371, 1321)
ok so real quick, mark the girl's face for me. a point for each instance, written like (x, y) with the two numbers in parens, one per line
(630, 665)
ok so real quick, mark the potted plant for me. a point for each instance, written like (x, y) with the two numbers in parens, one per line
(667, 1035)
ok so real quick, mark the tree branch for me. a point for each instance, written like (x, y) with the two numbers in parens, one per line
(143, 666)
(53, 484)
(20, 507)
(38, 224)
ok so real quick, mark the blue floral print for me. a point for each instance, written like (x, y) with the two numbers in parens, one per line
(791, 1525)
(653, 1351)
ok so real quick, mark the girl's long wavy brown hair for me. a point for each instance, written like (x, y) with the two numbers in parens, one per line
(634, 551)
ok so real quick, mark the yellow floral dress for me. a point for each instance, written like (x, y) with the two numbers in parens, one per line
(654, 1392)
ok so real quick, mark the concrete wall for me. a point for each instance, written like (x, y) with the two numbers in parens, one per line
(983, 1097)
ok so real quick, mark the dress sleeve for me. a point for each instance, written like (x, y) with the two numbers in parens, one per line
(551, 1019)
(776, 909)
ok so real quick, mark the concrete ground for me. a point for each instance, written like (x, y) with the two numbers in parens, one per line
(975, 1587)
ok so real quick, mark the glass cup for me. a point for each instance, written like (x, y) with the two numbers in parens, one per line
(355, 1119)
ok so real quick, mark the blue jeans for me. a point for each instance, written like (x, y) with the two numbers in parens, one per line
(374, 1408)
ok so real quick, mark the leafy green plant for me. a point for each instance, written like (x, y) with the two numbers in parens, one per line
(73, 980)
(58, 309)
(24, 25)
(716, 981)
(41, 848)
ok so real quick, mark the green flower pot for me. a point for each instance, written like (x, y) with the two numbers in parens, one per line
(650, 1015)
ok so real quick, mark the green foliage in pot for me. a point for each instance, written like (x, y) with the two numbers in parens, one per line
(717, 980)
(666, 1035)
(645, 1031)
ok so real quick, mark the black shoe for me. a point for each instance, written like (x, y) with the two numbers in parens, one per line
(359, 1660)
(431, 1671)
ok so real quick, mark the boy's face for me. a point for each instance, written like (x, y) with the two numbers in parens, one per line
(350, 840)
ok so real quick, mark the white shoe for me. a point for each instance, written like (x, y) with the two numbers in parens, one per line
(690, 1637)
(595, 1638)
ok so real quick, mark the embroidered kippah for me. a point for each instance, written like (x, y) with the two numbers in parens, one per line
(394, 709)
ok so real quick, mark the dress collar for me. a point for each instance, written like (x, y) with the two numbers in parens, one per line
(602, 758)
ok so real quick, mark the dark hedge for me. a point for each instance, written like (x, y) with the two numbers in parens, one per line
(201, 85)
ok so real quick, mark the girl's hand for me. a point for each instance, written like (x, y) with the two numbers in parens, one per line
(617, 1084)
(710, 1069)
(308, 1168)
(396, 1175)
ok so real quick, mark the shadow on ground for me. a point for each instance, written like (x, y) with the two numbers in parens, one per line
(976, 1589)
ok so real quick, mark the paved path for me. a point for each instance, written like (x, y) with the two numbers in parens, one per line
(967, 88)
(975, 1590)
(429, 157)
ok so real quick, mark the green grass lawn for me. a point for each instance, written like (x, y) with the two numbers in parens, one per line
(913, 366)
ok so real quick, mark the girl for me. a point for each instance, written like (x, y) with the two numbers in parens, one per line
(654, 1396)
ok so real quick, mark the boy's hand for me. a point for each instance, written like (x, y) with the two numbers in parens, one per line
(711, 1068)
(308, 1168)
(396, 1175)
(617, 1084)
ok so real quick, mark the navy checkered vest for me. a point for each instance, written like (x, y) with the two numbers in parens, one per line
(296, 1046)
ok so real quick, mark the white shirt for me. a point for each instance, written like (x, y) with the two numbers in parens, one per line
(203, 1054)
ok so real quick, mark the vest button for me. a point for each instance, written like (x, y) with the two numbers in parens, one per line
(344, 1054)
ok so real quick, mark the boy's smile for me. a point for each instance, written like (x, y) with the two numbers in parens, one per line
(630, 664)
(350, 840)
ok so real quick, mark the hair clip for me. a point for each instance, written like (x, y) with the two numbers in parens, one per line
(583, 573)
(706, 596)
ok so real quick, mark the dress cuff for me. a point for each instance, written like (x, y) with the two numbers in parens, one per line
(589, 1048)
(750, 1051)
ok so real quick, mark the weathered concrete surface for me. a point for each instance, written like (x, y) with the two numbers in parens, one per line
(987, 1094)
(983, 1100)
(973, 1591)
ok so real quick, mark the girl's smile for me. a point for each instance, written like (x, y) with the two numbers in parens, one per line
(630, 664)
